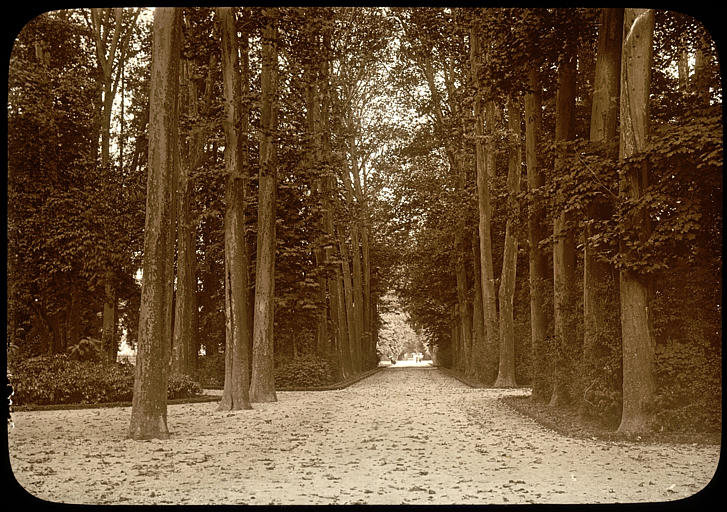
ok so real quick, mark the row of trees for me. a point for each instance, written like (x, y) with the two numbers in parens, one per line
(567, 272)
(540, 187)
(242, 136)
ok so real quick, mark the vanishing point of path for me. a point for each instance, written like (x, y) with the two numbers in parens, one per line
(403, 435)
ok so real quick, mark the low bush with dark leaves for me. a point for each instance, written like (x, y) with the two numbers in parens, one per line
(54, 380)
(304, 371)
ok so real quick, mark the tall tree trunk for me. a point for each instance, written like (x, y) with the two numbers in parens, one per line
(478, 315)
(484, 163)
(636, 327)
(185, 344)
(366, 261)
(564, 251)
(108, 334)
(262, 386)
(599, 288)
(506, 369)
(108, 86)
(701, 81)
(465, 316)
(456, 336)
(312, 161)
(338, 311)
(538, 258)
(236, 393)
(348, 296)
(335, 281)
(356, 270)
(149, 405)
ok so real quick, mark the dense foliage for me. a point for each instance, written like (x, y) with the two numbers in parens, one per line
(378, 145)
(57, 379)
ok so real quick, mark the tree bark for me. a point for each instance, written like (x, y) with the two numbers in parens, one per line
(564, 252)
(636, 328)
(484, 161)
(236, 393)
(262, 386)
(185, 301)
(506, 369)
(537, 232)
(335, 282)
(599, 288)
(348, 296)
(356, 270)
(149, 405)
(478, 316)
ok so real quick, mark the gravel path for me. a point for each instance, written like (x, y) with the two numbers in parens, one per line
(403, 435)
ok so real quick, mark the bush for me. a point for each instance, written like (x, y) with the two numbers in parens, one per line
(87, 349)
(212, 370)
(305, 371)
(57, 379)
(689, 388)
(47, 380)
(182, 386)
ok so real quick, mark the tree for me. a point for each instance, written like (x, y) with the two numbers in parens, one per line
(109, 39)
(636, 324)
(599, 288)
(237, 379)
(564, 253)
(485, 172)
(262, 386)
(506, 368)
(538, 258)
(149, 405)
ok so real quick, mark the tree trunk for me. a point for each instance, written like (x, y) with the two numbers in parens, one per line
(701, 81)
(538, 258)
(478, 316)
(506, 369)
(564, 252)
(184, 336)
(74, 314)
(465, 317)
(262, 386)
(108, 86)
(636, 328)
(599, 289)
(484, 163)
(149, 406)
(352, 327)
(486, 176)
(236, 393)
(356, 270)
(335, 282)
(366, 261)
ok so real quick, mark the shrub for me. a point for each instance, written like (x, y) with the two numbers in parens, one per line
(689, 388)
(57, 379)
(304, 371)
(212, 370)
(182, 386)
(47, 380)
(87, 349)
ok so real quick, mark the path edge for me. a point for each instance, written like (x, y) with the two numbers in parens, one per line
(191, 400)
(463, 379)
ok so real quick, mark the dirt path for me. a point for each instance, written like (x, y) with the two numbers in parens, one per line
(404, 435)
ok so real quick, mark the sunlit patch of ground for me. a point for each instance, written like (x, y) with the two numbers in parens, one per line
(403, 435)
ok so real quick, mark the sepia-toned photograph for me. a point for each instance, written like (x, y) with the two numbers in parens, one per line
(325, 255)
